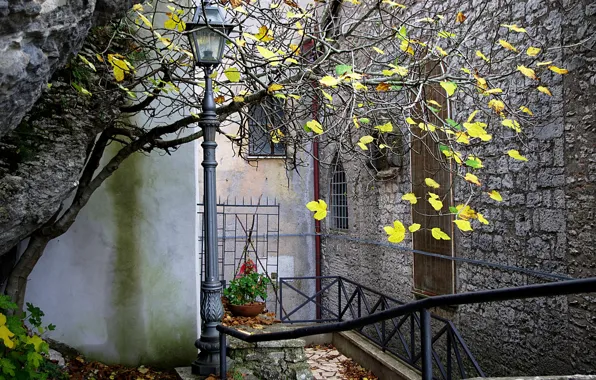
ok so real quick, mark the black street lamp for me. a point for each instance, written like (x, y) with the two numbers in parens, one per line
(207, 35)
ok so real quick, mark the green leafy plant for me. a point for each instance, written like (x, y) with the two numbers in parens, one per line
(248, 286)
(23, 353)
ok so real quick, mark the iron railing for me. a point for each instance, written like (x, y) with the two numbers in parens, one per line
(422, 307)
(400, 335)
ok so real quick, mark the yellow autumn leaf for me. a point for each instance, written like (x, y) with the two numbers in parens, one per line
(329, 81)
(507, 45)
(472, 116)
(365, 140)
(513, 124)
(558, 70)
(265, 34)
(383, 86)
(145, 20)
(137, 7)
(359, 86)
(481, 82)
(397, 233)
(438, 234)
(533, 51)
(544, 90)
(238, 99)
(410, 121)
(435, 202)
(460, 17)
(481, 55)
(482, 219)
(493, 91)
(441, 51)
(232, 74)
(527, 71)
(268, 55)
(449, 87)
(5, 333)
(514, 28)
(431, 183)
(494, 194)
(274, 87)
(465, 212)
(476, 129)
(414, 227)
(545, 63)
(411, 197)
(385, 128)
(378, 50)
(496, 105)
(463, 225)
(405, 46)
(434, 103)
(315, 126)
(319, 207)
(462, 138)
(516, 155)
(526, 110)
(472, 178)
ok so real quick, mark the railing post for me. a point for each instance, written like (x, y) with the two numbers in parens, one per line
(412, 338)
(339, 316)
(426, 340)
(223, 365)
(449, 340)
(281, 300)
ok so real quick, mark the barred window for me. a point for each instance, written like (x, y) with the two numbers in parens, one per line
(264, 129)
(339, 196)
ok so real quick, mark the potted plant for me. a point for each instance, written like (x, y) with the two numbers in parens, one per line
(243, 291)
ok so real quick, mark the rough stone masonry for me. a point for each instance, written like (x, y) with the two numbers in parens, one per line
(546, 221)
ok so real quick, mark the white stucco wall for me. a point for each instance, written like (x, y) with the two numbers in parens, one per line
(120, 284)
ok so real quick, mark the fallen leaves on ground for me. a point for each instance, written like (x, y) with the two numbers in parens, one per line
(79, 369)
(257, 322)
(353, 371)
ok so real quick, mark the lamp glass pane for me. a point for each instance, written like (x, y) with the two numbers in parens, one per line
(209, 45)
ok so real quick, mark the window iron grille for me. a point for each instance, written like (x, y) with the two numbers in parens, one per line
(339, 197)
(265, 129)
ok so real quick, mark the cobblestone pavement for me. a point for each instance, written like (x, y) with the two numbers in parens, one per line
(325, 363)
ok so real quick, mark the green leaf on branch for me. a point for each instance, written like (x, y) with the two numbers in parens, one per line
(342, 69)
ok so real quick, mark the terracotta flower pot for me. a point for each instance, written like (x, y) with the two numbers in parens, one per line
(250, 310)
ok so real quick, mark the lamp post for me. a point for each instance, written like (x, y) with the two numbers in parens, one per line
(207, 35)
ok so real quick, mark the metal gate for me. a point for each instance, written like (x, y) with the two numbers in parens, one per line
(246, 229)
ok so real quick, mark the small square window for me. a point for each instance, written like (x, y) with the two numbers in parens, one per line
(265, 129)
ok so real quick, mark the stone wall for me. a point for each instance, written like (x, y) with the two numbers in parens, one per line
(545, 222)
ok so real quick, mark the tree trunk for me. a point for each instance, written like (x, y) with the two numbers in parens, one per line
(17, 282)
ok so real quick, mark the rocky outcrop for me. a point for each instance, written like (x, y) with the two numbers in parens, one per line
(36, 38)
(42, 159)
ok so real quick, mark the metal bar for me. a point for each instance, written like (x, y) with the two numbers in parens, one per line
(449, 369)
(309, 299)
(383, 332)
(339, 287)
(587, 285)
(425, 339)
(223, 361)
(412, 339)
(460, 364)
(466, 350)
(281, 303)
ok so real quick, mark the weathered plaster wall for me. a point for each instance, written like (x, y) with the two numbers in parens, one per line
(268, 177)
(546, 221)
(121, 284)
